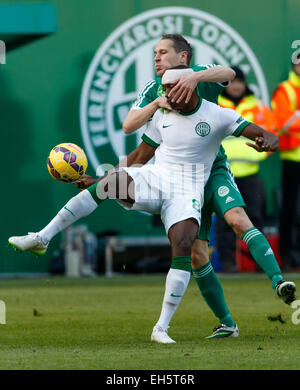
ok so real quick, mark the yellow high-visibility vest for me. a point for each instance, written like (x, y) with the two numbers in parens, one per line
(244, 160)
(289, 87)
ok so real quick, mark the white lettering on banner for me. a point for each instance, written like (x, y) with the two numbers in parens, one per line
(116, 50)
(109, 67)
(210, 34)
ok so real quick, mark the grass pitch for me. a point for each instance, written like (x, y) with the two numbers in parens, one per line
(105, 324)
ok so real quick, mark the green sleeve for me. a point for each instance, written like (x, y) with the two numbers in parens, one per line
(149, 141)
(146, 95)
(240, 129)
(207, 90)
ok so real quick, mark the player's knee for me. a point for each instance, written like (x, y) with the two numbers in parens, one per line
(238, 220)
(183, 246)
(199, 256)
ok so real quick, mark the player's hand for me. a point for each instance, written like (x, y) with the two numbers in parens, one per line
(162, 102)
(268, 143)
(85, 182)
(183, 89)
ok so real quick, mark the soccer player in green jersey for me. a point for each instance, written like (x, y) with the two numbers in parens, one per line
(221, 193)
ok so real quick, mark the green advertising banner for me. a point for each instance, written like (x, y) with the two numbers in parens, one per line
(78, 85)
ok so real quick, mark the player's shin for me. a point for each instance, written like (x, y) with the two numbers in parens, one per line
(176, 283)
(78, 207)
(212, 291)
(263, 254)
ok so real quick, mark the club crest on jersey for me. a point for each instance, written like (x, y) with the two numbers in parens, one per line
(223, 191)
(123, 65)
(202, 129)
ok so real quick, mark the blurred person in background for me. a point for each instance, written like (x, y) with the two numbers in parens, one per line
(244, 163)
(286, 108)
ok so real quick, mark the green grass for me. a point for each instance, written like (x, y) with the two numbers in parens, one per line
(105, 324)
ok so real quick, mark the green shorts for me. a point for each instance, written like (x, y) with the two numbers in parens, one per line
(220, 195)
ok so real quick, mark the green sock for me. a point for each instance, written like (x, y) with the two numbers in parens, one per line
(93, 191)
(212, 292)
(263, 255)
(181, 262)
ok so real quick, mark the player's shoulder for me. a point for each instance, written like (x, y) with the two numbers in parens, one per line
(146, 94)
(151, 84)
(208, 105)
(223, 113)
(198, 67)
(226, 111)
(207, 108)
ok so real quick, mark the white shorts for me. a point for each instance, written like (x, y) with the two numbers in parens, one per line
(152, 196)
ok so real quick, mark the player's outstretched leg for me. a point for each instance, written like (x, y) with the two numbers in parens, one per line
(79, 206)
(261, 252)
(263, 255)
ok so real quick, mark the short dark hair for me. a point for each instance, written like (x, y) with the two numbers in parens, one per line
(180, 44)
(239, 74)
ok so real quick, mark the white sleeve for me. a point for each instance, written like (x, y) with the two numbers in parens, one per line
(232, 122)
(152, 135)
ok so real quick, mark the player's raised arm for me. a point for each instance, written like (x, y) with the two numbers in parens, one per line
(265, 141)
(137, 117)
(144, 107)
(140, 156)
(185, 85)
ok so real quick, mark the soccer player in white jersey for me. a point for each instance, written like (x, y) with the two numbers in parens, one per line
(221, 194)
(198, 128)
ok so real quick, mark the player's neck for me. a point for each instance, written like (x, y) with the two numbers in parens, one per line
(192, 104)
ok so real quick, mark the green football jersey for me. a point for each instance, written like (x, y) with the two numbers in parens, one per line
(207, 90)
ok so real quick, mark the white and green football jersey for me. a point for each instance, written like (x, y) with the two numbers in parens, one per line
(207, 90)
(193, 138)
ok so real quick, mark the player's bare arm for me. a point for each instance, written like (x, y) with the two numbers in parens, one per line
(265, 141)
(137, 118)
(185, 86)
(140, 156)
